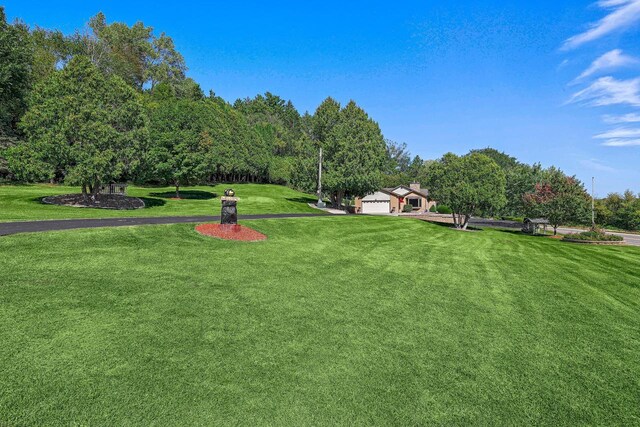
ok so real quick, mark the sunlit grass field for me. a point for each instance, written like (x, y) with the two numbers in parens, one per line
(332, 320)
(23, 202)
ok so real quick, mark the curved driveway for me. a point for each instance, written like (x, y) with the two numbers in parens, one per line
(7, 228)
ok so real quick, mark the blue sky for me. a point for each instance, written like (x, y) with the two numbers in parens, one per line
(545, 81)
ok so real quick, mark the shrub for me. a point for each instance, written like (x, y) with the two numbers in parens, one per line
(593, 235)
(444, 209)
(407, 208)
(433, 209)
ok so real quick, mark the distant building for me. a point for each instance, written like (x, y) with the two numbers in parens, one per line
(393, 200)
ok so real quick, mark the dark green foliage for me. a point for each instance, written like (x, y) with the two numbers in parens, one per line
(15, 61)
(521, 179)
(619, 210)
(133, 53)
(502, 159)
(559, 198)
(596, 236)
(444, 209)
(354, 150)
(83, 127)
(471, 184)
(400, 168)
(182, 142)
(407, 208)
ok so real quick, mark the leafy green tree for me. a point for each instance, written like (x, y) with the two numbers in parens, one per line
(284, 134)
(559, 198)
(521, 179)
(181, 142)
(501, 158)
(50, 50)
(133, 53)
(15, 61)
(354, 155)
(469, 185)
(398, 161)
(83, 126)
(622, 211)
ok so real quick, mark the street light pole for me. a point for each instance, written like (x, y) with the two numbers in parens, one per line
(593, 203)
(320, 202)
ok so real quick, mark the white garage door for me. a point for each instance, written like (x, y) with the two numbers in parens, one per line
(377, 206)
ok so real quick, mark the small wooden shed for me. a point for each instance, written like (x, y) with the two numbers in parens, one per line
(533, 225)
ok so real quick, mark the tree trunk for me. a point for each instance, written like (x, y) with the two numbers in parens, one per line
(455, 222)
(94, 189)
(466, 222)
(177, 184)
(555, 230)
(336, 199)
(84, 193)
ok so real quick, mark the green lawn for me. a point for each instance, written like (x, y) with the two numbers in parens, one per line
(23, 202)
(332, 320)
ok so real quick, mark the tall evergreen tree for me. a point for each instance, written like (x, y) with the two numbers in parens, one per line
(354, 153)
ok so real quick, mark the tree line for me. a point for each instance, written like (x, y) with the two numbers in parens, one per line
(113, 103)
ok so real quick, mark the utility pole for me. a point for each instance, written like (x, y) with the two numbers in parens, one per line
(320, 202)
(593, 203)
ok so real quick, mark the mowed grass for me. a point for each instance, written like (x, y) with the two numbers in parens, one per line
(331, 321)
(23, 202)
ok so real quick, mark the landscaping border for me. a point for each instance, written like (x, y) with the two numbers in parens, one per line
(594, 242)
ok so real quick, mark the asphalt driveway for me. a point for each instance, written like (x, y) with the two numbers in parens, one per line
(7, 228)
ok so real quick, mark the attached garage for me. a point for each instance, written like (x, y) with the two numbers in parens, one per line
(376, 203)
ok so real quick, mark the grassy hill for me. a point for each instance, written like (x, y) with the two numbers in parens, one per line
(23, 202)
(332, 320)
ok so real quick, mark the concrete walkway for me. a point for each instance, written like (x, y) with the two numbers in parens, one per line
(7, 228)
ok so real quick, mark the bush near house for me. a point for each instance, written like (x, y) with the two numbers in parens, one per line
(407, 208)
(444, 209)
(594, 236)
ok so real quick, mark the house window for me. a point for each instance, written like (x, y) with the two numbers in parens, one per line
(415, 202)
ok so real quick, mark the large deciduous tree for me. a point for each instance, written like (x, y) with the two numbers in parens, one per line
(133, 53)
(559, 198)
(469, 185)
(82, 126)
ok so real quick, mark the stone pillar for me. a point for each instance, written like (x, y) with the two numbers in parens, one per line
(229, 214)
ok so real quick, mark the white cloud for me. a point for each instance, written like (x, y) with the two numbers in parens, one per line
(625, 13)
(621, 142)
(619, 133)
(625, 118)
(609, 61)
(595, 164)
(609, 91)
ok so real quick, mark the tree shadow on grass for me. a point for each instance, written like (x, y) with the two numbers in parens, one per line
(452, 227)
(522, 233)
(186, 194)
(150, 202)
(301, 199)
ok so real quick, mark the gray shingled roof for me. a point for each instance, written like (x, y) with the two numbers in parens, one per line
(422, 192)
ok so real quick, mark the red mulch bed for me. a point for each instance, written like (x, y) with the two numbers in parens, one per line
(230, 232)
